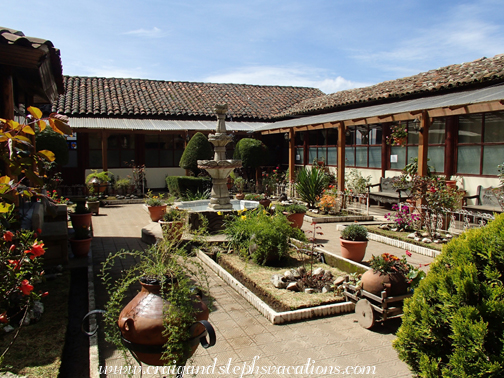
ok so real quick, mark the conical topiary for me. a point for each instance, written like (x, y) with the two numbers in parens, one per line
(198, 148)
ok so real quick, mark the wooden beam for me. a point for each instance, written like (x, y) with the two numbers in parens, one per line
(341, 155)
(104, 136)
(292, 154)
(7, 99)
(423, 143)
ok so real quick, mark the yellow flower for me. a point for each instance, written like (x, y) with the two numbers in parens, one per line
(243, 217)
(219, 212)
(264, 211)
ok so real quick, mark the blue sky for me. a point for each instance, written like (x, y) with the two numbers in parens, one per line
(328, 44)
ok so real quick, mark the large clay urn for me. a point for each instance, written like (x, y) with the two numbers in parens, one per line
(296, 219)
(141, 325)
(375, 282)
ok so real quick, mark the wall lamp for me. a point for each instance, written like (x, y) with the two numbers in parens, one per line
(286, 136)
(417, 126)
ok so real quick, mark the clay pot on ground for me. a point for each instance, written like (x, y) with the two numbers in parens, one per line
(156, 212)
(94, 207)
(80, 247)
(265, 202)
(353, 250)
(375, 282)
(80, 220)
(240, 196)
(142, 328)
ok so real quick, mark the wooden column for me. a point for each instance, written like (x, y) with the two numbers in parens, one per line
(104, 136)
(341, 156)
(385, 150)
(292, 154)
(7, 90)
(451, 132)
(423, 144)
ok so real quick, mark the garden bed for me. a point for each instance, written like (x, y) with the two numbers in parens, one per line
(403, 236)
(344, 217)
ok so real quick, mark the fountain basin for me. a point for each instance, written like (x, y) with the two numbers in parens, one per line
(214, 218)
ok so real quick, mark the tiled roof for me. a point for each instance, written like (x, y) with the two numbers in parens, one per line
(449, 78)
(16, 38)
(137, 98)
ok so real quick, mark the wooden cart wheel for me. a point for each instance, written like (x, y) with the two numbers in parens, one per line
(365, 313)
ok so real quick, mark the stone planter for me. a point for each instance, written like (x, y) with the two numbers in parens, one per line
(156, 212)
(353, 250)
(94, 207)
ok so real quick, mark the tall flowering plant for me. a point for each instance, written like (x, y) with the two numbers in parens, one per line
(403, 219)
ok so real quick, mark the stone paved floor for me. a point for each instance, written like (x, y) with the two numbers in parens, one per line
(244, 334)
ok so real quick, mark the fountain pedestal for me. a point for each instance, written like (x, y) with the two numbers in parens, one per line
(219, 168)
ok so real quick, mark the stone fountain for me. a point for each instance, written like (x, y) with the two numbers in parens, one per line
(219, 168)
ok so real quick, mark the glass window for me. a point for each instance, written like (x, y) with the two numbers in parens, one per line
(312, 154)
(470, 128)
(400, 152)
(493, 155)
(332, 156)
(468, 159)
(494, 127)
(437, 131)
(375, 157)
(436, 154)
(349, 156)
(299, 156)
(332, 137)
(361, 156)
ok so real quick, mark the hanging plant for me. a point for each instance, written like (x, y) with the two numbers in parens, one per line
(399, 135)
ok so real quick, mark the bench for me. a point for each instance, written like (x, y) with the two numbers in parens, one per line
(387, 193)
(486, 201)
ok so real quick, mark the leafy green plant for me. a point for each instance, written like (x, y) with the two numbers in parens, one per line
(260, 236)
(293, 208)
(191, 196)
(156, 200)
(452, 325)
(104, 176)
(198, 148)
(254, 197)
(174, 214)
(252, 152)
(239, 182)
(310, 184)
(357, 183)
(55, 142)
(354, 232)
(80, 207)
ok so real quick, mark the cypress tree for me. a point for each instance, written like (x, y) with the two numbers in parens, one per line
(198, 148)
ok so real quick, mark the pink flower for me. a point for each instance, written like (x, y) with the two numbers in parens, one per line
(408, 253)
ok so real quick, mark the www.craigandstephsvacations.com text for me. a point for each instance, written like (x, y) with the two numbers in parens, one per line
(241, 369)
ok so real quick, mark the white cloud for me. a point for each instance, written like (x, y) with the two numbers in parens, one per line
(288, 76)
(152, 33)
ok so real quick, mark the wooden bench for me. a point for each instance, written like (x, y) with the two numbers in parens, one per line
(387, 193)
(486, 201)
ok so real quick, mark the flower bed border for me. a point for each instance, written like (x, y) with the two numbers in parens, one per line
(338, 219)
(287, 316)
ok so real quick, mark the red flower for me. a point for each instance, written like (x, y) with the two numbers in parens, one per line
(8, 236)
(39, 231)
(36, 250)
(16, 263)
(408, 253)
(25, 287)
(4, 318)
(45, 294)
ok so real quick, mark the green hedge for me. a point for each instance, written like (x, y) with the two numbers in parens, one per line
(178, 185)
(453, 325)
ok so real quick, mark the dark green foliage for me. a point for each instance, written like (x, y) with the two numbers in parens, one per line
(354, 232)
(54, 142)
(453, 325)
(309, 185)
(252, 152)
(179, 185)
(198, 148)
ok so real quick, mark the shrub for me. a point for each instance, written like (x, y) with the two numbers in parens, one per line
(104, 176)
(179, 185)
(310, 184)
(292, 208)
(258, 235)
(354, 232)
(252, 152)
(55, 142)
(198, 148)
(452, 326)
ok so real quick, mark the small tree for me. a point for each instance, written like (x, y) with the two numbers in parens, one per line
(198, 148)
(452, 326)
(253, 153)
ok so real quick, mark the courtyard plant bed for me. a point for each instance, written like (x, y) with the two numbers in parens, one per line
(403, 236)
(257, 278)
(343, 216)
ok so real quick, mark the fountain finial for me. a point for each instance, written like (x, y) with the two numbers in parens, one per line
(221, 110)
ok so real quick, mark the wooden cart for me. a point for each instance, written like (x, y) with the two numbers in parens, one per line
(371, 308)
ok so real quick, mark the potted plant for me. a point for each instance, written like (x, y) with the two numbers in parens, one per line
(353, 241)
(240, 185)
(164, 323)
(390, 273)
(156, 205)
(172, 222)
(92, 202)
(80, 242)
(99, 180)
(399, 135)
(81, 216)
(294, 212)
(123, 186)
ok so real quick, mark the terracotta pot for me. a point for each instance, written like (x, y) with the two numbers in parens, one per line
(94, 207)
(141, 324)
(80, 220)
(296, 219)
(265, 202)
(451, 184)
(80, 247)
(376, 282)
(156, 212)
(353, 250)
(240, 196)
(172, 230)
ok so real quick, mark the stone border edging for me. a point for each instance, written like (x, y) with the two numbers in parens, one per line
(404, 245)
(94, 355)
(270, 314)
(350, 218)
